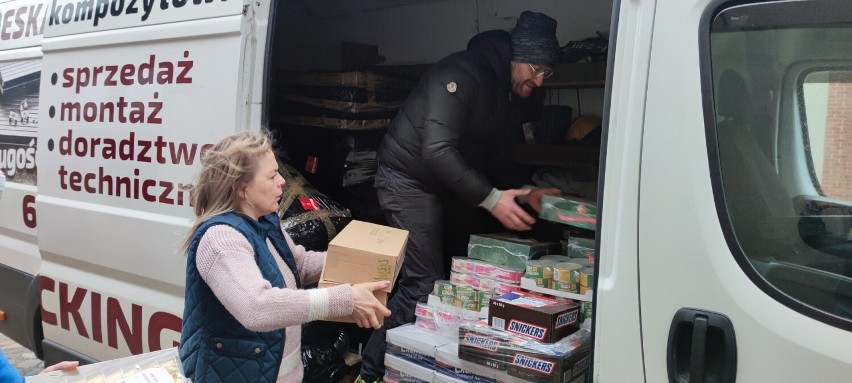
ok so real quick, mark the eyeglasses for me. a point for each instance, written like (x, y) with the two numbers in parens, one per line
(541, 72)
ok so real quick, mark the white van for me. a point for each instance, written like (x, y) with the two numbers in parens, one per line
(724, 239)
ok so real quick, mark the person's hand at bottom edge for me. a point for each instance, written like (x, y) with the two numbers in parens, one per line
(61, 366)
(365, 306)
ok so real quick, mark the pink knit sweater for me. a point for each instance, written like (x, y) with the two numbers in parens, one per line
(225, 260)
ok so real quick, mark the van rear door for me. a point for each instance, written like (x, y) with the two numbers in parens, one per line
(131, 94)
(745, 259)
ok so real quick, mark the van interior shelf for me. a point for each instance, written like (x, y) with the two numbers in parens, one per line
(529, 284)
(564, 155)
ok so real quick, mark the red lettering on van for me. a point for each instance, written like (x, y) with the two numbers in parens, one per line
(118, 326)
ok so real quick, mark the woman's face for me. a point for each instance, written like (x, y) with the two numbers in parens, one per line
(263, 192)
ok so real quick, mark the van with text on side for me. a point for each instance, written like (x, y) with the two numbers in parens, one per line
(723, 235)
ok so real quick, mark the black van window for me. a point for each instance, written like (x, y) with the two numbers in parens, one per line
(781, 131)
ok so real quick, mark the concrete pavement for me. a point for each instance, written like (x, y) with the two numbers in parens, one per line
(23, 359)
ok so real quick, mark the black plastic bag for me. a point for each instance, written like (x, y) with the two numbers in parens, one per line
(324, 345)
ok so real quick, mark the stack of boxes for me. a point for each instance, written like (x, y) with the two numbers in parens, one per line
(330, 126)
(527, 337)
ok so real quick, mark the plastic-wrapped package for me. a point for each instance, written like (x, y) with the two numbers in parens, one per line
(157, 366)
(524, 358)
(324, 345)
(414, 344)
(485, 269)
(400, 370)
(310, 217)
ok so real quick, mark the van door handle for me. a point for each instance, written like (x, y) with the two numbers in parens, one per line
(702, 348)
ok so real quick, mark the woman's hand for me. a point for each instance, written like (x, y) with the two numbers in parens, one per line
(365, 306)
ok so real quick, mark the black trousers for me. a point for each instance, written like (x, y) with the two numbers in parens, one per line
(407, 206)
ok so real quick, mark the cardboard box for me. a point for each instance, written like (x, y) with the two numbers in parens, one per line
(550, 369)
(523, 359)
(570, 211)
(365, 252)
(534, 316)
(508, 250)
(382, 296)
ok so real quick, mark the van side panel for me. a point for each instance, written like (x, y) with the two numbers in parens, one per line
(127, 110)
(21, 28)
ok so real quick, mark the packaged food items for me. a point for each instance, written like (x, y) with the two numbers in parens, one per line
(160, 366)
(570, 211)
(567, 272)
(523, 357)
(508, 250)
(400, 370)
(534, 316)
(414, 344)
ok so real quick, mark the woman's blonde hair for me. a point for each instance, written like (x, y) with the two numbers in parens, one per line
(225, 169)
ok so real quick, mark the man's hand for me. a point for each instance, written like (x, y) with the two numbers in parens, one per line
(365, 305)
(534, 198)
(512, 216)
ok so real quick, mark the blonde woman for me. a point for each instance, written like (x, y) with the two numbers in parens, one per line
(244, 305)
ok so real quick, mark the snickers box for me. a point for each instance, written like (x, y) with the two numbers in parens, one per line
(550, 369)
(534, 316)
(479, 345)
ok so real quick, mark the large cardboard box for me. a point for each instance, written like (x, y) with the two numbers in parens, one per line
(382, 296)
(365, 252)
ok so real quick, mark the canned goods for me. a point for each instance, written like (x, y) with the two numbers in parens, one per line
(485, 298)
(443, 288)
(543, 282)
(540, 269)
(571, 287)
(466, 294)
(448, 300)
(566, 272)
(587, 277)
(472, 305)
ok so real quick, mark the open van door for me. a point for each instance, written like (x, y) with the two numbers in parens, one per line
(744, 252)
(132, 92)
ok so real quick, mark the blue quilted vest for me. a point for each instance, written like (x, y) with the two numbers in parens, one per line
(214, 346)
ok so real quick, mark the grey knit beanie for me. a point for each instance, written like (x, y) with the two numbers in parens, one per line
(534, 40)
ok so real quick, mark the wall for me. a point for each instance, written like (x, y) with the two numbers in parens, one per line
(423, 32)
(419, 33)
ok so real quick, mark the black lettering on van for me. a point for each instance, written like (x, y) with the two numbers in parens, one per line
(67, 13)
(178, 3)
(147, 6)
(101, 10)
(153, 115)
(111, 70)
(144, 145)
(116, 7)
(131, 8)
(185, 66)
(164, 4)
(84, 10)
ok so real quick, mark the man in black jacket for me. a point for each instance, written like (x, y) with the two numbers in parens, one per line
(441, 148)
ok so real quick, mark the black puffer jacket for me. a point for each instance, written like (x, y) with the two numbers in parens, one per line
(458, 118)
